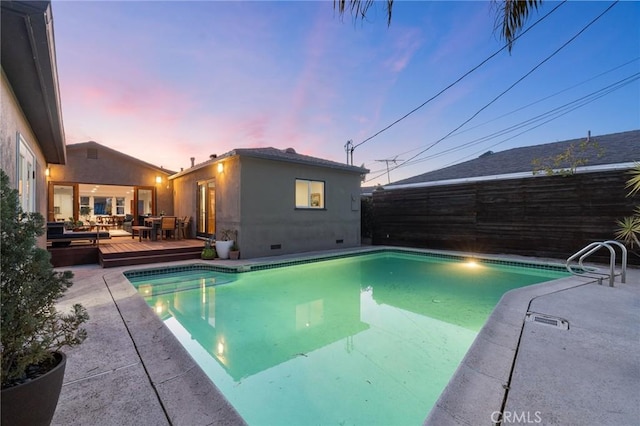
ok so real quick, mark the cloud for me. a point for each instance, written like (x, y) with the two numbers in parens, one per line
(404, 48)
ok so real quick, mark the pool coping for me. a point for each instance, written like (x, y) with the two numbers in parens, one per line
(476, 390)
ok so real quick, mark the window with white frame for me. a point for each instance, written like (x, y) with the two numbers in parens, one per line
(120, 205)
(309, 194)
(26, 176)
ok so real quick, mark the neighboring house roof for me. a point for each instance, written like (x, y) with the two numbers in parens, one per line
(96, 145)
(29, 62)
(288, 155)
(616, 148)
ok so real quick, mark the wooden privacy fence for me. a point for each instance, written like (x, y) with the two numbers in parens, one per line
(544, 216)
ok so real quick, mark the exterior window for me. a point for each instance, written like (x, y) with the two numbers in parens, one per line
(309, 194)
(26, 177)
(120, 205)
(85, 207)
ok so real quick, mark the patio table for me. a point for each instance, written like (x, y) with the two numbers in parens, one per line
(154, 223)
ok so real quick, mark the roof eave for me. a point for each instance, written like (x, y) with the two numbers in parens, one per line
(517, 175)
(29, 62)
(299, 160)
(253, 154)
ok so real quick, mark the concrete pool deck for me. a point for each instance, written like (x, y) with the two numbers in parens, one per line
(132, 371)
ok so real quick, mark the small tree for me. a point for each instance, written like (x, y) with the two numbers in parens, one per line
(566, 162)
(31, 328)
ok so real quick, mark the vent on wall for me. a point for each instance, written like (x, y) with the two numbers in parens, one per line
(276, 246)
(339, 241)
(547, 320)
(92, 153)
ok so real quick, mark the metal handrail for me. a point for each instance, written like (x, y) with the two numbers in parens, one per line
(589, 250)
(623, 249)
(594, 247)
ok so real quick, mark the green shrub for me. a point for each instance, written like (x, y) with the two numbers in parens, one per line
(31, 328)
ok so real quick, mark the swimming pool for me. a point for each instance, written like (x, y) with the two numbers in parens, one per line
(371, 339)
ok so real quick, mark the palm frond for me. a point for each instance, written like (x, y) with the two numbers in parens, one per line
(634, 180)
(359, 8)
(514, 14)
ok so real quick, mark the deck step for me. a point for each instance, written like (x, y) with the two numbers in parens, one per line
(111, 260)
(141, 260)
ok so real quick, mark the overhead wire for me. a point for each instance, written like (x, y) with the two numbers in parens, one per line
(571, 106)
(457, 81)
(554, 113)
(507, 89)
(529, 104)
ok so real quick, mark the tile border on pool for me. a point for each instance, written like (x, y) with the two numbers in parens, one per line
(260, 266)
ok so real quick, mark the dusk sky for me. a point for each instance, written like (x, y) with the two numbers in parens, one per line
(166, 81)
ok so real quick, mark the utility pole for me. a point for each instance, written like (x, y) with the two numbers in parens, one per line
(348, 147)
(394, 161)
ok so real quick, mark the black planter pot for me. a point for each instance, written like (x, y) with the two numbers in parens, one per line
(33, 403)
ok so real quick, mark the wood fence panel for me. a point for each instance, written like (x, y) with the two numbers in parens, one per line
(545, 216)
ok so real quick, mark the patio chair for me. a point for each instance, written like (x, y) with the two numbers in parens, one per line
(168, 225)
(128, 222)
(183, 226)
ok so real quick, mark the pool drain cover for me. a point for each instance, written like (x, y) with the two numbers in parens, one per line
(547, 320)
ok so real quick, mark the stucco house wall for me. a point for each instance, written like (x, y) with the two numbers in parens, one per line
(256, 197)
(92, 163)
(29, 96)
(185, 186)
(269, 217)
(15, 124)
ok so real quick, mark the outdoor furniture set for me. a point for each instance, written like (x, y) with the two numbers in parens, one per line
(161, 225)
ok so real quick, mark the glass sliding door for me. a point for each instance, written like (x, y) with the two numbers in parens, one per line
(206, 209)
(144, 203)
(61, 202)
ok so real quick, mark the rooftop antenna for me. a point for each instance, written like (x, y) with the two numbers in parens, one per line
(394, 160)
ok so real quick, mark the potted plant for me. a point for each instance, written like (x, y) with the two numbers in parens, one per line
(208, 252)
(31, 330)
(234, 252)
(224, 243)
(85, 211)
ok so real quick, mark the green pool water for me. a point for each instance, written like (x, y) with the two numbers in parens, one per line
(365, 340)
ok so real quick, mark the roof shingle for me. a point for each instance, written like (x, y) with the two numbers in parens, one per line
(615, 148)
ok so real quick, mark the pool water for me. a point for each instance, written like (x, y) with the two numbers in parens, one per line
(366, 340)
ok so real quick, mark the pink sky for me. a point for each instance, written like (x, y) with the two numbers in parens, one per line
(166, 81)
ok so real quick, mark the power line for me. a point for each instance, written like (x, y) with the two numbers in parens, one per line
(353, 147)
(527, 106)
(635, 77)
(512, 85)
(554, 114)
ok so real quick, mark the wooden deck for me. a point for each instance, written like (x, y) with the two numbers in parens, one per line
(125, 251)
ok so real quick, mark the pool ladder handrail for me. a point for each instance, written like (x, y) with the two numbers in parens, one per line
(594, 247)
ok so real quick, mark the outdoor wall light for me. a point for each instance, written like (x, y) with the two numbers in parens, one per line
(47, 172)
(220, 167)
(158, 179)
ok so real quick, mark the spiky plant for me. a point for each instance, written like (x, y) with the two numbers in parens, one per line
(634, 181)
(31, 329)
(629, 230)
(629, 227)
